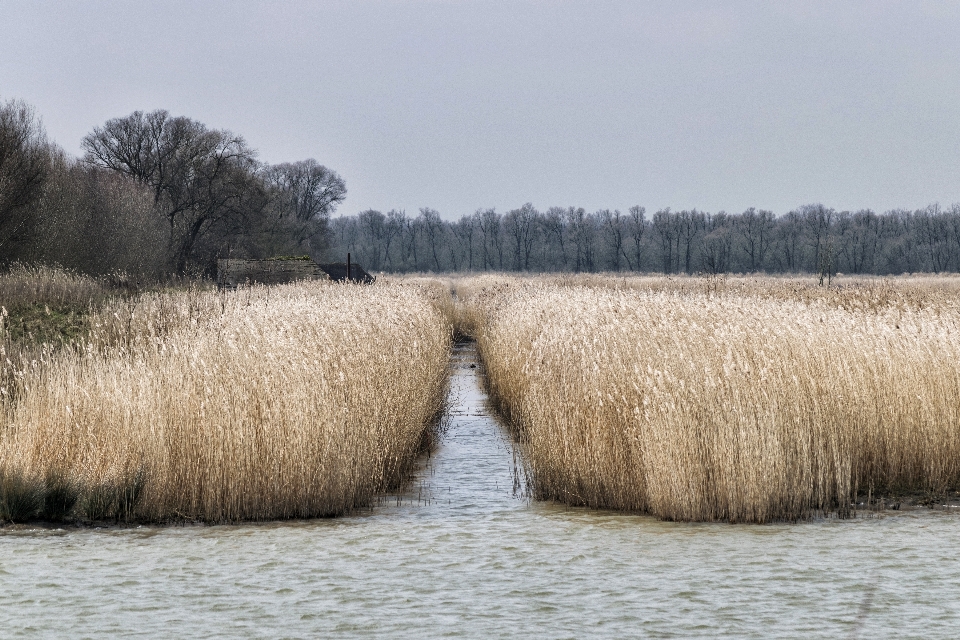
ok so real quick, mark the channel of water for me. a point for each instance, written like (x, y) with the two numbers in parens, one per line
(457, 554)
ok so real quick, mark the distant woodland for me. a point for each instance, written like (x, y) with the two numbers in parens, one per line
(810, 239)
(156, 195)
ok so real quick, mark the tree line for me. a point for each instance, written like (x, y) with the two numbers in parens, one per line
(154, 195)
(811, 239)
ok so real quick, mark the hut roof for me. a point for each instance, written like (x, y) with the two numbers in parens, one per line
(338, 272)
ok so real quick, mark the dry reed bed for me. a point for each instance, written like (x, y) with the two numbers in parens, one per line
(770, 402)
(27, 293)
(861, 292)
(296, 401)
(23, 285)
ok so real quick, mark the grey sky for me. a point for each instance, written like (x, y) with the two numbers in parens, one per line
(461, 105)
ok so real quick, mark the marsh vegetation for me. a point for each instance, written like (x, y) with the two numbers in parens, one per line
(737, 399)
(741, 399)
(263, 403)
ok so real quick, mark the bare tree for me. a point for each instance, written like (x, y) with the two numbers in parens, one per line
(393, 228)
(818, 221)
(901, 253)
(491, 228)
(615, 225)
(638, 224)
(410, 234)
(520, 223)
(932, 233)
(200, 178)
(432, 226)
(554, 224)
(346, 235)
(717, 244)
(755, 229)
(858, 237)
(305, 194)
(464, 231)
(955, 233)
(373, 227)
(24, 167)
(790, 242)
(691, 225)
(583, 233)
(98, 222)
(668, 233)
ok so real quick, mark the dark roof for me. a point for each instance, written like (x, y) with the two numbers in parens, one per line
(338, 272)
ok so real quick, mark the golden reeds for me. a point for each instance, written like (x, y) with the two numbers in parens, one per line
(24, 285)
(295, 401)
(41, 304)
(756, 400)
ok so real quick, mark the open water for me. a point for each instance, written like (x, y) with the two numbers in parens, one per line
(458, 555)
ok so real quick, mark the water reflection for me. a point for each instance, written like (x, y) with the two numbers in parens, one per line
(460, 556)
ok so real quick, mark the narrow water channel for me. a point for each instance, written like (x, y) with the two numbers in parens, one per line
(457, 555)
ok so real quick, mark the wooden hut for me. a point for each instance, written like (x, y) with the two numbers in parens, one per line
(232, 272)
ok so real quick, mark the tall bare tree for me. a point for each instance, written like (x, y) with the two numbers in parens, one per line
(201, 178)
(614, 223)
(583, 234)
(932, 229)
(755, 229)
(554, 227)
(306, 194)
(520, 224)
(24, 167)
(858, 236)
(373, 229)
(432, 227)
(638, 224)
(717, 252)
(666, 228)
(491, 227)
(393, 230)
(464, 231)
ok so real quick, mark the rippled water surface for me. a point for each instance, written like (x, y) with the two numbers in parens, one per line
(457, 555)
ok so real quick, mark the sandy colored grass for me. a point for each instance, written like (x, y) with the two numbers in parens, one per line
(744, 400)
(294, 401)
(25, 285)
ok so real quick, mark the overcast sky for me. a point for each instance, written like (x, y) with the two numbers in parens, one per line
(462, 105)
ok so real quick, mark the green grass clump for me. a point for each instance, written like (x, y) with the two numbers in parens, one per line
(40, 324)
